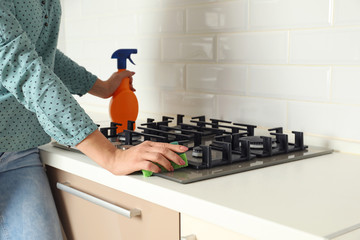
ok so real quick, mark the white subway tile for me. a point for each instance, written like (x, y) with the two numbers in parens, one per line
(332, 120)
(329, 46)
(160, 76)
(261, 112)
(129, 42)
(118, 25)
(189, 103)
(149, 48)
(149, 99)
(222, 79)
(100, 55)
(188, 48)
(270, 14)
(138, 4)
(71, 9)
(289, 82)
(172, 3)
(169, 21)
(346, 12)
(346, 85)
(74, 48)
(103, 52)
(95, 7)
(81, 28)
(227, 16)
(259, 47)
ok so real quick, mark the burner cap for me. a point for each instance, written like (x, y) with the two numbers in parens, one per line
(197, 152)
(257, 142)
(134, 138)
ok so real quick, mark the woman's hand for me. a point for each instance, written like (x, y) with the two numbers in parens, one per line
(105, 89)
(140, 157)
(145, 155)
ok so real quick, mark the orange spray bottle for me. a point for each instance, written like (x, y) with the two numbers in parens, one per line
(123, 104)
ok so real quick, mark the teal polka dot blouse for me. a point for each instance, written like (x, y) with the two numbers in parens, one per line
(37, 80)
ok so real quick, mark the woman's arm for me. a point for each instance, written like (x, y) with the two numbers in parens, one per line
(140, 157)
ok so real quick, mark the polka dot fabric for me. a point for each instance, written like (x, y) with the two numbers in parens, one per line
(37, 80)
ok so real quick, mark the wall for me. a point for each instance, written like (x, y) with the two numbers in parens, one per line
(290, 63)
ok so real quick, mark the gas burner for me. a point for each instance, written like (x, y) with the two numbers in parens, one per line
(257, 142)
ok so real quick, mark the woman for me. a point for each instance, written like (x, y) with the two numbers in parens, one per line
(36, 83)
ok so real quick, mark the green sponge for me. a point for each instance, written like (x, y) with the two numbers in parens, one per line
(148, 173)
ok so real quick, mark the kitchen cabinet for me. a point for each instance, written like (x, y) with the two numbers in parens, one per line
(82, 219)
(195, 229)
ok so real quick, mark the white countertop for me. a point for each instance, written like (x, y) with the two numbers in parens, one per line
(315, 198)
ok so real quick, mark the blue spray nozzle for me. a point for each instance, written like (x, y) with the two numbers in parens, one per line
(122, 55)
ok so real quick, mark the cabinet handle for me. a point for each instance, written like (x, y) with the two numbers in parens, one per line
(189, 237)
(122, 211)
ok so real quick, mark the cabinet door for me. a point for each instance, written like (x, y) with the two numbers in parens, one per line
(193, 228)
(83, 220)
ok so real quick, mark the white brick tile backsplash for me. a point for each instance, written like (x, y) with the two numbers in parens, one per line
(290, 14)
(272, 63)
(346, 12)
(164, 21)
(346, 85)
(139, 5)
(190, 104)
(118, 25)
(103, 51)
(217, 78)
(71, 9)
(149, 100)
(258, 47)
(149, 48)
(95, 7)
(74, 49)
(333, 120)
(325, 46)
(160, 76)
(134, 42)
(256, 111)
(83, 28)
(227, 16)
(172, 3)
(289, 82)
(188, 48)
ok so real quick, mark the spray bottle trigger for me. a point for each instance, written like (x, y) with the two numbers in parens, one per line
(122, 55)
(131, 60)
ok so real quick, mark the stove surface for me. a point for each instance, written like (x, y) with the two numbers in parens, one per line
(216, 147)
(189, 175)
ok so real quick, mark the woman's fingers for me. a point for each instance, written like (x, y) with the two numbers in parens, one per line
(162, 153)
(146, 156)
(155, 157)
(168, 151)
(147, 165)
(131, 84)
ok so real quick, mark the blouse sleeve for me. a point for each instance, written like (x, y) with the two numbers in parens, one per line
(37, 87)
(76, 78)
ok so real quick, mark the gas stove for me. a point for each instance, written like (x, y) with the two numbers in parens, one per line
(216, 147)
